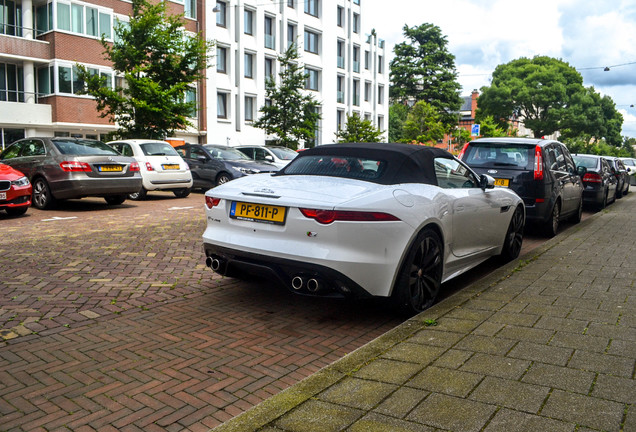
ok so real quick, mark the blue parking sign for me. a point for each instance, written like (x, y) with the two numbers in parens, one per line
(474, 130)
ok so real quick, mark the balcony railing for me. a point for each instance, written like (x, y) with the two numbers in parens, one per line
(341, 62)
(340, 98)
(270, 41)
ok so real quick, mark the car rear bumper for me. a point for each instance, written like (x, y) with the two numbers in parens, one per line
(78, 188)
(164, 180)
(593, 195)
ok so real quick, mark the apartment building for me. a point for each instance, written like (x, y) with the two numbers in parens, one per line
(42, 40)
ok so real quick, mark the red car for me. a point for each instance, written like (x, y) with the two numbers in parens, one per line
(15, 191)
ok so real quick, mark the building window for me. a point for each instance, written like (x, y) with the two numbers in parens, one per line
(291, 34)
(356, 92)
(248, 22)
(221, 59)
(221, 15)
(64, 16)
(381, 122)
(312, 7)
(249, 65)
(380, 60)
(269, 68)
(291, 4)
(10, 18)
(381, 94)
(356, 2)
(367, 91)
(68, 80)
(221, 105)
(11, 83)
(191, 97)
(367, 57)
(340, 96)
(340, 54)
(250, 103)
(312, 81)
(312, 41)
(76, 18)
(44, 18)
(270, 40)
(339, 119)
(356, 23)
(45, 80)
(340, 17)
(190, 9)
(356, 58)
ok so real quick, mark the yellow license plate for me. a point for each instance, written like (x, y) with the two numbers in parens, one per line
(111, 168)
(170, 167)
(258, 212)
(502, 182)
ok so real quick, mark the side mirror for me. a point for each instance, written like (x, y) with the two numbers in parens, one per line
(202, 158)
(486, 182)
(581, 170)
(269, 158)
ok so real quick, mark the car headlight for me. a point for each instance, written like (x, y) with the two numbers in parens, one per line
(246, 170)
(22, 181)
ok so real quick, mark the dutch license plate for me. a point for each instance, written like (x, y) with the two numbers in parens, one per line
(110, 168)
(3, 195)
(258, 212)
(170, 166)
(502, 182)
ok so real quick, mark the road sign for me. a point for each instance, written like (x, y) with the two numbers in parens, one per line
(474, 130)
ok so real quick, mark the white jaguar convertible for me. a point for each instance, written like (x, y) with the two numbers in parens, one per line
(359, 220)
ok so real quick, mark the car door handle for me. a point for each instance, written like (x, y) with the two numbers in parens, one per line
(459, 208)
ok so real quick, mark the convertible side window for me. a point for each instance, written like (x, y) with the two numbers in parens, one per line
(453, 175)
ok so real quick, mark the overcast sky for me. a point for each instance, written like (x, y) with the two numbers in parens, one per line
(587, 34)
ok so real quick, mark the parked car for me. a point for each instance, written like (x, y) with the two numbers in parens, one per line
(621, 174)
(277, 155)
(326, 225)
(630, 164)
(541, 172)
(62, 168)
(161, 167)
(599, 180)
(15, 191)
(212, 165)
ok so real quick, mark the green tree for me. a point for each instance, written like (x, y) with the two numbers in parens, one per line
(424, 70)
(358, 130)
(488, 127)
(159, 62)
(397, 116)
(423, 124)
(290, 115)
(538, 91)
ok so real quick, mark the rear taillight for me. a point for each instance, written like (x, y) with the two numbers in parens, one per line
(211, 201)
(592, 178)
(134, 167)
(74, 166)
(538, 164)
(149, 167)
(329, 216)
(461, 153)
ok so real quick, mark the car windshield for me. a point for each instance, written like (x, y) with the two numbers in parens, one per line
(83, 147)
(629, 162)
(501, 155)
(586, 161)
(158, 149)
(283, 153)
(226, 153)
(336, 166)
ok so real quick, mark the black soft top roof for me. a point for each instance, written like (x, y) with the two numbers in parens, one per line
(405, 163)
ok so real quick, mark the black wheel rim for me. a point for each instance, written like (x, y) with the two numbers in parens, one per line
(515, 234)
(425, 274)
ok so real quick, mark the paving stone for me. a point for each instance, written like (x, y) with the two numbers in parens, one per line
(457, 325)
(511, 394)
(535, 335)
(514, 421)
(499, 366)
(428, 336)
(488, 329)
(584, 410)
(318, 416)
(357, 393)
(414, 353)
(451, 413)
(519, 319)
(541, 353)
(604, 363)
(562, 324)
(615, 388)
(559, 377)
(583, 342)
(389, 371)
(489, 345)
(447, 381)
(401, 402)
(452, 359)
(378, 423)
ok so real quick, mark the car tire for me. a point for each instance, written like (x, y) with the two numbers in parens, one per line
(115, 199)
(223, 178)
(514, 236)
(552, 225)
(181, 193)
(420, 277)
(138, 196)
(42, 197)
(576, 218)
(17, 211)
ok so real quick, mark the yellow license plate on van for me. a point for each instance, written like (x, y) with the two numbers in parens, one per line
(502, 182)
(258, 212)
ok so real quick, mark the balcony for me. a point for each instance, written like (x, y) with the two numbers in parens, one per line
(24, 48)
(25, 114)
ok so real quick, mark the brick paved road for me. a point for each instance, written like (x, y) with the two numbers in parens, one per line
(111, 321)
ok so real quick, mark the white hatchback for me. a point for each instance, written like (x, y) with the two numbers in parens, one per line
(161, 167)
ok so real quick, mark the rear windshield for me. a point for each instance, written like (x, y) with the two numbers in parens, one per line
(283, 153)
(585, 161)
(337, 166)
(158, 149)
(499, 155)
(84, 147)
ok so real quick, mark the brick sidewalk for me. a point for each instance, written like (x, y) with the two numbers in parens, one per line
(544, 344)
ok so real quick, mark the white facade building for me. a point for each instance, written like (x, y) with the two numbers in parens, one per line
(347, 66)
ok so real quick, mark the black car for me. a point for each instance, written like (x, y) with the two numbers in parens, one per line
(600, 182)
(212, 164)
(622, 175)
(541, 172)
